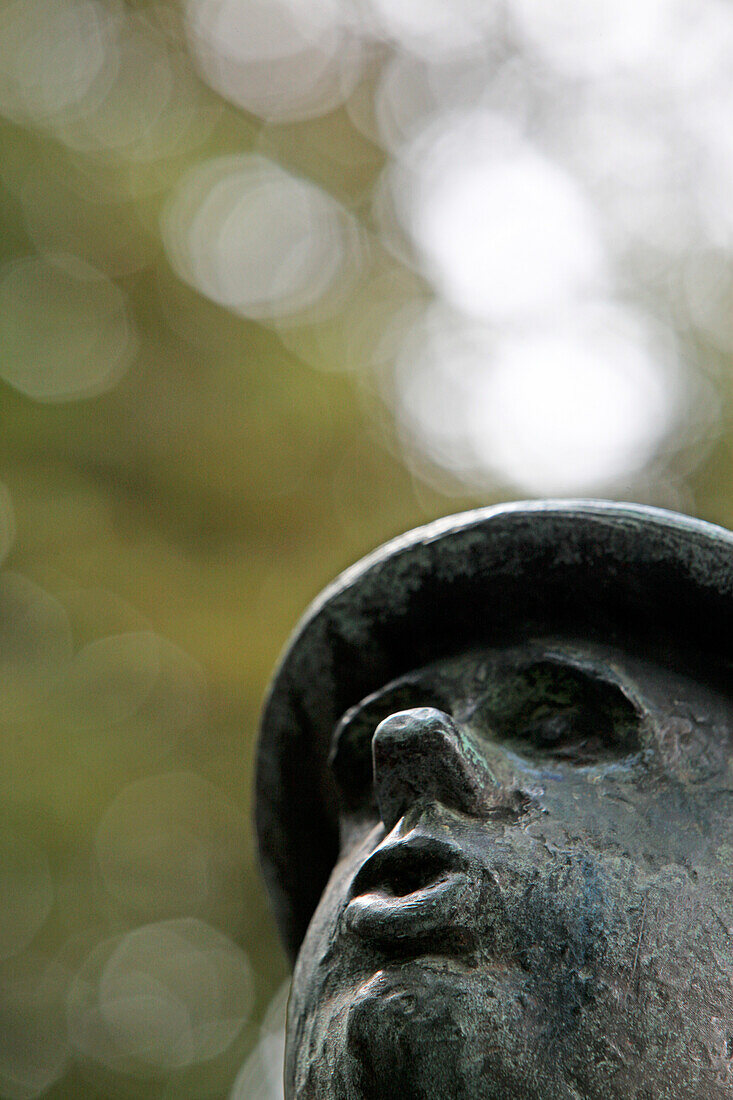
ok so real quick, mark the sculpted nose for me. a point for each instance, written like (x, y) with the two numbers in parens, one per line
(422, 754)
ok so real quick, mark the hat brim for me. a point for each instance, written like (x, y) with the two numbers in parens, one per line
(594, 568)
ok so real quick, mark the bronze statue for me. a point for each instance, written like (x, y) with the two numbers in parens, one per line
(495, 813)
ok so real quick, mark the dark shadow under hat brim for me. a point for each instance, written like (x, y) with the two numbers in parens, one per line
(610, 571)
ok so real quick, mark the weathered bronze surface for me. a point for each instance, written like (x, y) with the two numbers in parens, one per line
(532, 896)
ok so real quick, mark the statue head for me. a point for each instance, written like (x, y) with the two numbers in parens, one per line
(495, 813)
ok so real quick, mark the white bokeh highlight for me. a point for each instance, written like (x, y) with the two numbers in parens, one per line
(261, 1076)
(570, 405)
(609, 36)
(282, 60)
(436, 30)
(503, 232)
(56, 57)
(259, 240)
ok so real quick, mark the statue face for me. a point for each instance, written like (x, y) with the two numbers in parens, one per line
(534, 893)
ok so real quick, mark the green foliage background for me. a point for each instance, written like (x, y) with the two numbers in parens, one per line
(230, 474)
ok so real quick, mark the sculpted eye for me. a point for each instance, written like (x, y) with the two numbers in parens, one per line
(550, 709)
(350, 757)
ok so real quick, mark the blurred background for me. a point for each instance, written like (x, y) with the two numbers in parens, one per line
(280, 279)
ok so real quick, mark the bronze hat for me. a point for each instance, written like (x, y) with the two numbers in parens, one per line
(592, 568)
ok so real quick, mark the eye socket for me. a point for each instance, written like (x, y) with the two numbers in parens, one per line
(350, 757)
(552, 710)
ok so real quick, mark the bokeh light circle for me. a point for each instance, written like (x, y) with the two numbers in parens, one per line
(502, 231)
(65, 329)
(34, 1054)
(280, 59)
(159, 998)
(571, 405)
(173, 845)
(109, 679)
(55, 57)
(438, 30)
(153, 108)
(259, 240)
(261, 1076)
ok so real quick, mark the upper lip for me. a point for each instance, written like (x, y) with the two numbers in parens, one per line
(406, 865)
(415, 892)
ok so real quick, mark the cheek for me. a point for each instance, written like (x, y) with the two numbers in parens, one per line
(316, 959)
(320, 934)
(317, 978)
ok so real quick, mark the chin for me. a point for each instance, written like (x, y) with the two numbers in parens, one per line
(433, 1028)
(419, 1030)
